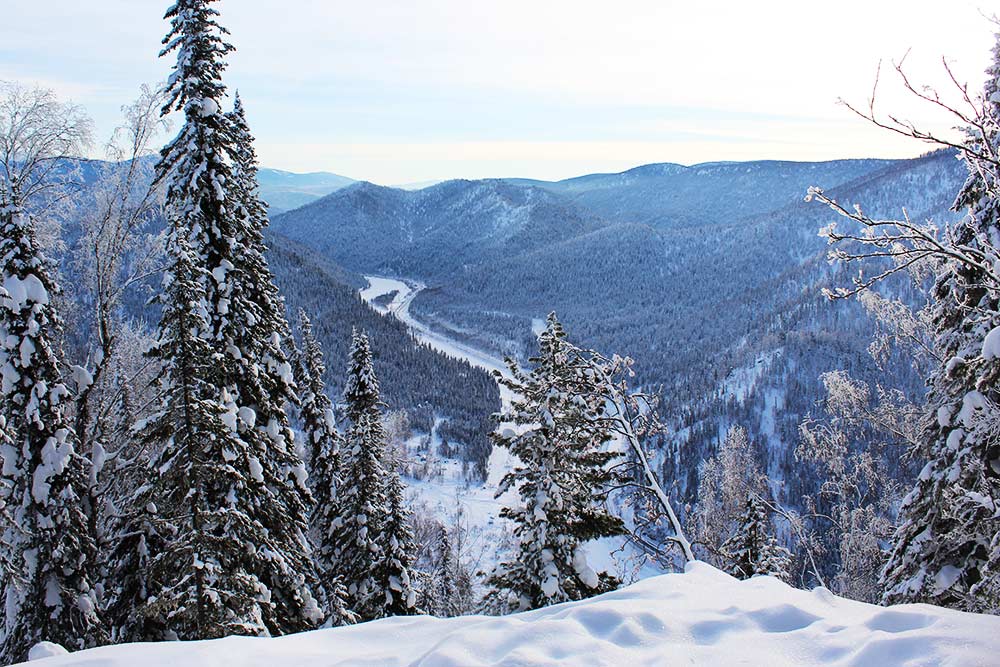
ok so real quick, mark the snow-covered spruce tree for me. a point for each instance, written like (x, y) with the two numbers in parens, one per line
(753, 548)
(323, 443)
(6, 553)
(6, 441)
(361, 498)
(49, 544)
(372, 539)
(51, 595)
(445, 594)
(251, 319)
(395, 573)
(128, 586)
(362, 394)
(323, 440)
(946, 550)
(242, 496)
(186, 558)
(563, 480)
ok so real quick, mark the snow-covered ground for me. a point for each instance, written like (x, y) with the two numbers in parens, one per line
(448, 491)
(701, 617)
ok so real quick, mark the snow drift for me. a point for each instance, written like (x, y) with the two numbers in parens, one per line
(701, 617)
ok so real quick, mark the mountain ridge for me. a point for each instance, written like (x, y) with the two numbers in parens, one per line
(286, 190)
(692, 274)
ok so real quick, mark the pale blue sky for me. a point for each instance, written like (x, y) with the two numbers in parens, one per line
(398, 92)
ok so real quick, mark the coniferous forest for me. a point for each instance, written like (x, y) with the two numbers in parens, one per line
(208, 429)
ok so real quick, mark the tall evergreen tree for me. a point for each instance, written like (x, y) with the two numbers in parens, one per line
(5, 438)
(137, 541)
(323, 444)
(361, 503)
(251, 328)
(231, 497)
(753, 548)
(563, 480)
(323, 440)
(181, 569)
(6, 452)
(49, 543)
(372, 539)
(444, 579)
(362, 394)
(947, 547)
(396, 576)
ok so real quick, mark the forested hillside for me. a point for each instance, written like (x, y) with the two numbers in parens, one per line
(705, 274)
(674, 196)
(429, 387)
(436, 231)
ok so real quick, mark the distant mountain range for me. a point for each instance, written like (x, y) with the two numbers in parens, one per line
(703, 274)
(710, 276)
(434, 231)
(285, 190)
(671, 195)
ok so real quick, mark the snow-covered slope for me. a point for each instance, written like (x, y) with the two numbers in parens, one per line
(701, 617)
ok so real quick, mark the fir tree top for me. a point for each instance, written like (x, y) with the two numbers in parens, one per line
(563, 478)
(194, 165)
(362, 390)
(311, 357)
(252, 211)
(195, 85)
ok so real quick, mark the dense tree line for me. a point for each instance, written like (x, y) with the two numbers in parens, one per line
(157, 491)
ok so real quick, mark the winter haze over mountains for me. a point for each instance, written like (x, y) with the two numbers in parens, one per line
(463, 334)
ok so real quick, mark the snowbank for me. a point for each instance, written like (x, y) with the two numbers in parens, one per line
(701, 617)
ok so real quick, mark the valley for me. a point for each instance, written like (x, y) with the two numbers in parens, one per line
(696, 272)
(403, 293)
(449, 494)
